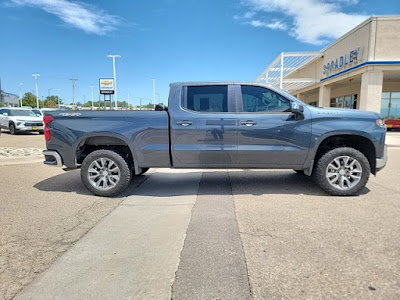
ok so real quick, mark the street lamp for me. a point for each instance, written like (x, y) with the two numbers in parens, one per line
(154, 92)
(37, 89)
(20, 92)
(92, 86)
(58, 98)
(113, 56)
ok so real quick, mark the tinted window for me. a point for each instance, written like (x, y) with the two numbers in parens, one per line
(2, 111)
(207, 98)
(259, 99)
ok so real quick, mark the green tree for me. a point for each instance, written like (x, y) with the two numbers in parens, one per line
(52, 102)
(29, 99)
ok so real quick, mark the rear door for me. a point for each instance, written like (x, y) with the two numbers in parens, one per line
(269, 135)
(204, 127)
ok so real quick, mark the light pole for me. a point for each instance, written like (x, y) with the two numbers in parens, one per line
(73, 90)
(113, 56)
(91, 87)
(154, 92)
(37, 89)
(129, 96)
(58, 98)
(20, 92)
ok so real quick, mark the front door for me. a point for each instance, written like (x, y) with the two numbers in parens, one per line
(269, 135)
(204, 127)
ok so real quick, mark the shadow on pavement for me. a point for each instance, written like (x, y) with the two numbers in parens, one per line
(243, 182)
(70, 182)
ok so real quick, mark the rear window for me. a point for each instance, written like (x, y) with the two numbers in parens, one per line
(206, 98)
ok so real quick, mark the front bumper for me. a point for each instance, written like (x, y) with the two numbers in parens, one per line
(381, 161)
(29, 128)
(52, 158)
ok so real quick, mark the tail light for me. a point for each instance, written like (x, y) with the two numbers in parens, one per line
(47, 120)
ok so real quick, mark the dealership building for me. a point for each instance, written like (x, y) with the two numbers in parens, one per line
(360, 70)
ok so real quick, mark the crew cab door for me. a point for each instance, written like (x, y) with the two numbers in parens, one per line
(269, 135)
(203, 127)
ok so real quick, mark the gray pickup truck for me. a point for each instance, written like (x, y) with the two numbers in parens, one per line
(219, 125)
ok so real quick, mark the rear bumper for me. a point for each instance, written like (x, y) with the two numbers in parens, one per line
(52, 158)
(381, 161)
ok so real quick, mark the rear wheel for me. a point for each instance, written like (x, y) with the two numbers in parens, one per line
(105, 173)
(13, 129)
(342, 171)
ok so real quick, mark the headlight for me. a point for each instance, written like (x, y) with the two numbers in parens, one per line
(20, 123)
(380, 123)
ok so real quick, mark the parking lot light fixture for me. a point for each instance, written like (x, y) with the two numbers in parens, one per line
(20, 92)
(37, 89)
(113, 56)
(91, 87)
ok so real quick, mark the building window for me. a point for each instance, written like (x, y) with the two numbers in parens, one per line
(390, 105)
(349, 101)
(314, 103)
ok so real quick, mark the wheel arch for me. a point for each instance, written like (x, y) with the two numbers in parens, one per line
(110, 141)
(356, 141)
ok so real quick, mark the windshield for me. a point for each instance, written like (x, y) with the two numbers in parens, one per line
(36, 111)
(22, 112)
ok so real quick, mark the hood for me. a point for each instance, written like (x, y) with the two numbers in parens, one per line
(343, 113)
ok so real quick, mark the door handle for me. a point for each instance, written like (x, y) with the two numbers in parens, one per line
(248, 123)
(185, 123)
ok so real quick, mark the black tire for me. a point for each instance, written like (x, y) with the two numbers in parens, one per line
(117, 159)
(300, 172)
(12, 129)
(322, 164)
(41, 132)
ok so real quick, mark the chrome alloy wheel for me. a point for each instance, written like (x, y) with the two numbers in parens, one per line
(344, 172)
(103, 174)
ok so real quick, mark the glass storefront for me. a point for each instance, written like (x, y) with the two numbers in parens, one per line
(390, 106)
(349, 101)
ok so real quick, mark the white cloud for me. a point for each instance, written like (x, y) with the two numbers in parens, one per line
(274, 25)
(314, 21)
(77, 14)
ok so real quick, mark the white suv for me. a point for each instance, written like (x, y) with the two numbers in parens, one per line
(20, 119)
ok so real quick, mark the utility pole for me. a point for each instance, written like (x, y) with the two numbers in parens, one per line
(113, 56)
(91, 87)
(20, 92)
(73, 90)
(129, 96)
(154, 92)
(37, 89)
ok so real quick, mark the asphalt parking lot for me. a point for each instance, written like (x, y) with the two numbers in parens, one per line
(223, 234)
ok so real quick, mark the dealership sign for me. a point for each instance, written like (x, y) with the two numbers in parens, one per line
(341, 62)
(106, 86)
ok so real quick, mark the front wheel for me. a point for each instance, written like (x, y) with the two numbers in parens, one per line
(12, 129)
(342, 171)
(105, 173)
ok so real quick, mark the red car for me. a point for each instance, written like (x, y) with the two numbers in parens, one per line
(392, 124)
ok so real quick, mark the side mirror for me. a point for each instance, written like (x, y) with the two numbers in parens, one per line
(160, 107)
(5, 114)
(296, 108)
(38, 115)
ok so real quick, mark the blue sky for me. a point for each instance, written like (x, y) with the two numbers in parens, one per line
(169, 40)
